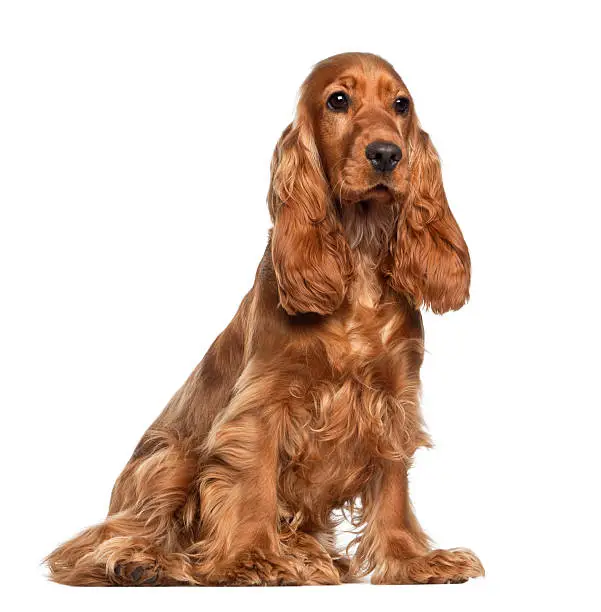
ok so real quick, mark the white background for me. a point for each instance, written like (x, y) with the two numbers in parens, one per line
(129, 235)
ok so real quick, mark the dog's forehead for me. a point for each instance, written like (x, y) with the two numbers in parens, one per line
(361, 72)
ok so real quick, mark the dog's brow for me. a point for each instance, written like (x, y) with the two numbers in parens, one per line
(389, 87)
(348, 81)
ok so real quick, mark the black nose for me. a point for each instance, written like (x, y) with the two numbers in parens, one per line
(384, 156)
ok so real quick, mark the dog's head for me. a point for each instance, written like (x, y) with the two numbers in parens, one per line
(355, 171)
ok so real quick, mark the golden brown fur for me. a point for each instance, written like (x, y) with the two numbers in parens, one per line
(308, 401)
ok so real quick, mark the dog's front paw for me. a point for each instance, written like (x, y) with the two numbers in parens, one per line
(257, 568)
(437, 567)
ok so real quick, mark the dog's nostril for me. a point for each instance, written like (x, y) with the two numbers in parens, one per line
(384, 156)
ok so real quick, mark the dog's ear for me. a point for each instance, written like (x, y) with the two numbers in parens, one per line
(311, 257)
(431, 262)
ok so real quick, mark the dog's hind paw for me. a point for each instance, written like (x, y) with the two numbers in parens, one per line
(135, 574)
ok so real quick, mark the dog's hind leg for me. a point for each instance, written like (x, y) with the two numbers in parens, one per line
(140, 542)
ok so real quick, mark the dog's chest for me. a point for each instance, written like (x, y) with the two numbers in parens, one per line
(363, 331)
(351, 425)
(355, 413)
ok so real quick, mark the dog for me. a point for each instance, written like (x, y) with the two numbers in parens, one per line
(308, 401)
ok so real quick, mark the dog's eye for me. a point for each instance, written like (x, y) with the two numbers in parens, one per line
(401, 105)
(338, 102)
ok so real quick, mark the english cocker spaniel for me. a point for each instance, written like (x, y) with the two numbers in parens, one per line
(308, 401)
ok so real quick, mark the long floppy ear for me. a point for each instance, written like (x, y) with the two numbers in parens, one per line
(431, 262)
(311, 257)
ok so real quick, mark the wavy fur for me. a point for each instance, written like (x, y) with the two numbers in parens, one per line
(309, 401)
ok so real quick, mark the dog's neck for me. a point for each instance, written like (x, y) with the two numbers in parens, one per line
(369, 226)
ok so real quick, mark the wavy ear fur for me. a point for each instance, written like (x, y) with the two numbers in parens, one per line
(431, 259)
(310, 255)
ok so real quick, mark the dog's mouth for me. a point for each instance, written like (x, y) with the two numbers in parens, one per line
(379, 194)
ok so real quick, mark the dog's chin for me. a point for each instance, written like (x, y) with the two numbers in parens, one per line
(379, 195)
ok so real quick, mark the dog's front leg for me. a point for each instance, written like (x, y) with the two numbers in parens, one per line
(238, 508)
(393, 544)
(239, 523)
